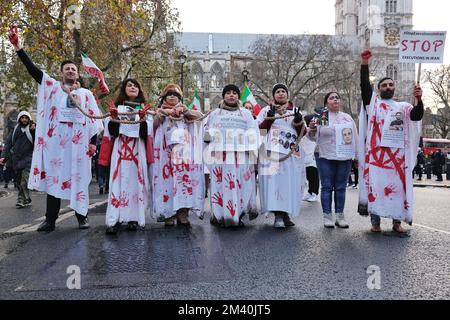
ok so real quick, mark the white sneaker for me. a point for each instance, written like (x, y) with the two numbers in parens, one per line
(307, 196)
(340, 221)
(279, 223)
(328, 220)
(313, 198)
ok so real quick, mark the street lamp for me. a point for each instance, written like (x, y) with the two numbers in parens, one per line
(245, 73)
(182, 59)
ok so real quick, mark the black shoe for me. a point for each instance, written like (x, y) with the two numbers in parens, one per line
(106, 190)
(83, 223)
(101, 191)
(46, 226)
(287, 221)
(6, 186)
(111, 230)
(132, 226)
(28, 201)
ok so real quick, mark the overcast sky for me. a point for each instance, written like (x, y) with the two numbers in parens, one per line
(291, 16)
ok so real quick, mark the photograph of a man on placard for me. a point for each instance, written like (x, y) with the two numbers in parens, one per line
(397, 124)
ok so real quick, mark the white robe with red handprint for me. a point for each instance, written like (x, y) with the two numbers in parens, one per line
(129, 185)
(177, 171)
(61, 166)
(281, 184)
(233, 182)
(387, 188)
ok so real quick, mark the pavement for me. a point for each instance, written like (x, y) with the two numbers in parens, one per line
(205, 262)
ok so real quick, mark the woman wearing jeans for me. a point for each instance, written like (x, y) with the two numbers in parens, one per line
(336, 136)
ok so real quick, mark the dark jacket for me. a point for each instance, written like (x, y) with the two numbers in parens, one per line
(19, 149)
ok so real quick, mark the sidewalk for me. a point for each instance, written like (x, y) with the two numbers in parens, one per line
(432, 183)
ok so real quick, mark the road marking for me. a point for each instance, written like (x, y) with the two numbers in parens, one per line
(430, 228)
(16, 229)
(31, 228)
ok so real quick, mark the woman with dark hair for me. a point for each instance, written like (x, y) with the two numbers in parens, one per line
(128, 147)
(335, 157)
(177, 174)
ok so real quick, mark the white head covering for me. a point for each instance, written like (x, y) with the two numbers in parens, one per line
(23, 113)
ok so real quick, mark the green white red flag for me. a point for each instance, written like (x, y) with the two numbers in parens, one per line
(195, 104)
(94, 71)
(247, 95)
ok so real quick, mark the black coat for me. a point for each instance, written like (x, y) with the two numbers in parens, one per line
(19, 149)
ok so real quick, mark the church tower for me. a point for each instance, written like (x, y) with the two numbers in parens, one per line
(378, 24)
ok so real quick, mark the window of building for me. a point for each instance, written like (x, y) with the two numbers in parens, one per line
(216, 76)
(391, 6)
(392, 72)
(197, 71)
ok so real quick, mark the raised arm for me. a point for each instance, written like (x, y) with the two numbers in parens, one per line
(34, 71)
(366, 87)
(418, 110)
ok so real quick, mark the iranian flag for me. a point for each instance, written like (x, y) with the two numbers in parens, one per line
(247, 95)
(195, 104)
(94, 71)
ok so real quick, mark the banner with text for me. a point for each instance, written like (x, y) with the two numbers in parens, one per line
(422, 46)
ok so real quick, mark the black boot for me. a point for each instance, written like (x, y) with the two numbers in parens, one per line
(46, 226)
(82, 221)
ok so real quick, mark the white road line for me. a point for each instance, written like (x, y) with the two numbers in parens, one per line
(18, 228)
(31, 228)
(430, 228)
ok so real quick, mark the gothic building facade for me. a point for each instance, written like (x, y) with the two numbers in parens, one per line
(378, 24)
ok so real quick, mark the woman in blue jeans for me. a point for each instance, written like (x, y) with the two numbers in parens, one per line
(336, 136)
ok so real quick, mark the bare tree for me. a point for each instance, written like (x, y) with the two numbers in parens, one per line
(439, 80)
(308, 64)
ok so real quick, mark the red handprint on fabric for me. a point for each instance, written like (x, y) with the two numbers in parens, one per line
(53, 113)
(51, 130)
(66, 185)
(114, 201)
(247, 175)
(63, 141)
(389, 190)
(230, 208)
(218, 173)
(77, 137)
(80, 196)
(36, 171)
(230, 181)
(217, 199)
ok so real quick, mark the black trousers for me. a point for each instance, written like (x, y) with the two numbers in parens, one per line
(312, 175)
(53, 207)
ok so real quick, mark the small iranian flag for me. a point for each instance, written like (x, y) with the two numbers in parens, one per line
(94, 71)
(195, 104)
(247, 95)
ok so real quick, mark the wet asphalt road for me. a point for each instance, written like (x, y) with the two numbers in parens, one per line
(205, 262)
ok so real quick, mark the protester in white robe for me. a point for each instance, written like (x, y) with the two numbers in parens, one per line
(65, 139)
(281, 183)
(387, 155)
(178, 175)
(132, 151)
(231, 156)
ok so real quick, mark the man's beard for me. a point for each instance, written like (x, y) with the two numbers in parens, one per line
(69, 81)
(388, 94)
(22, 124)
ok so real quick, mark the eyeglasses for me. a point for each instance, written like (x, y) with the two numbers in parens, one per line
(334, 98)
(172, 94)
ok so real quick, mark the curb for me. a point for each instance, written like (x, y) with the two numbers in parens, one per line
(431, 185)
